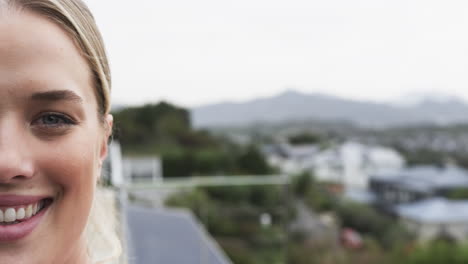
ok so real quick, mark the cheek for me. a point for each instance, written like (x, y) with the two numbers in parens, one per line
(69, 168)
(71, 163)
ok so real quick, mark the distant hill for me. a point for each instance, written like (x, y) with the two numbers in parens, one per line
(292, 105)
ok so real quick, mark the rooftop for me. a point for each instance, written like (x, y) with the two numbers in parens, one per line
(436, 210)
(426, 177)
(169, 236)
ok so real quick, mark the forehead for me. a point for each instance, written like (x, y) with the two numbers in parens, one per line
(37, 55)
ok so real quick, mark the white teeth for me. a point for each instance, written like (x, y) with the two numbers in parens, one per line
(10, 215)
(20, 214)
(28, 211)
(35, 208)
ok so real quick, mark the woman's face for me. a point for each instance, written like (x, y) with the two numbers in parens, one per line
(52, 142)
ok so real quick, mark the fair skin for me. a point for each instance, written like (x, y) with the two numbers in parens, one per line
(52, 141)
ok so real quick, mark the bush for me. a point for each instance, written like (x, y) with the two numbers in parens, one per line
(367, 220)
(320, 200)
(458, 194)
(302, 184)
(438, 252)
(251, 161)
(232, 216)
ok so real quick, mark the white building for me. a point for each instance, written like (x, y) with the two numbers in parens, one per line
(350, 163)
(142, 169)
(290, 159)
(360, 161)
(436, 218)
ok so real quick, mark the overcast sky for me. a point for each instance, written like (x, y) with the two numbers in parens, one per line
(196, 52)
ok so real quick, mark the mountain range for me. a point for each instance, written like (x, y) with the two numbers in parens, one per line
(297, 106)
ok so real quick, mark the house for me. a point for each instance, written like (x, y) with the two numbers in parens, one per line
(142, 169)
(289, 158)
(416, 183)
(360, 161)
(350, 163)
(436, 218)
(418, 196)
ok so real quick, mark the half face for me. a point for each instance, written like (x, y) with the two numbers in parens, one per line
(51, 142)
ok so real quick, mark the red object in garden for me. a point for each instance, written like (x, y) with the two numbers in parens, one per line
(351, 239)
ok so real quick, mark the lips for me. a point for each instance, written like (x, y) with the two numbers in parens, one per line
(17, 200)
(20, 215)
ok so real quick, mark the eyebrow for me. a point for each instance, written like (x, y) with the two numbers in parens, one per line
(57, 95)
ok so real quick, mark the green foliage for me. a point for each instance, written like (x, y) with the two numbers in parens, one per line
(362, 218)
(302, 184)
(201, 162)
(196, 200)
(305, 138)
(328, 252)
(232, 216)
(458, 194)
(320, 199)
(424, 156)
(367, 220)
(151, 124)
(240, 253)
(437, 252)
(314, 194)
(261, 196)
(177, 164)
(214, 162)
(165, 130)
(251, 161)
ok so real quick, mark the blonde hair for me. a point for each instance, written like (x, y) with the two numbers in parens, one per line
(75, 18)
(101, 232)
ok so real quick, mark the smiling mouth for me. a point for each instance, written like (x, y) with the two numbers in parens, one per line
(18, 214)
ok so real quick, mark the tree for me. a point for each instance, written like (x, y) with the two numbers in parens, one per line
(251, 161)
(305, 138)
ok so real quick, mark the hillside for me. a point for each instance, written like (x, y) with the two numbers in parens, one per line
(292, 105)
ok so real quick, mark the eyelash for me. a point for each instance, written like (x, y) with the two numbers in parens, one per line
(61, 119)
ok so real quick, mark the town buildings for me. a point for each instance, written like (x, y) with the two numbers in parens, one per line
(349, 163)
(421, 197)
(436, 218)
(428, 200)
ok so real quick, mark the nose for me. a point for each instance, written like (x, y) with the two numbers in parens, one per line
(15, 156)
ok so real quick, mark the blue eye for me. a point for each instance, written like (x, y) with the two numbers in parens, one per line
(53, 119)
